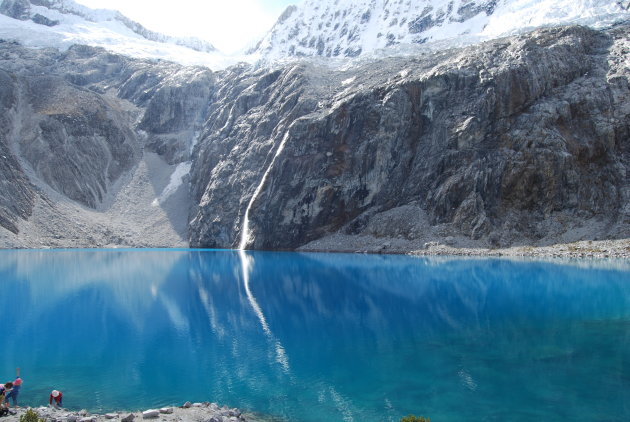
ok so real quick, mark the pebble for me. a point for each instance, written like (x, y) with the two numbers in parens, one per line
(150, 414)
(111, 415)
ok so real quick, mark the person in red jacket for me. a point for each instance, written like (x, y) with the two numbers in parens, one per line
(57, 397)
(15, 392)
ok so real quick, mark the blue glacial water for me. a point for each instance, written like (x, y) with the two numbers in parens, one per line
(320, 337)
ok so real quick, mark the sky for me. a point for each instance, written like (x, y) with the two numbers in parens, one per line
(229, 25)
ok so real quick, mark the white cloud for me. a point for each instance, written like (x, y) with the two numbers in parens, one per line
(229, 25)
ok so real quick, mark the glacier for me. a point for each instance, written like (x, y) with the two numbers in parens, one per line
(69, 23)
(330, 29)
(345, 28)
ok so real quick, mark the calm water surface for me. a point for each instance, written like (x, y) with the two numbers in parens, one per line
(320, 337)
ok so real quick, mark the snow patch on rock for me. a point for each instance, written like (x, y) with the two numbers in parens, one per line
(177, 179)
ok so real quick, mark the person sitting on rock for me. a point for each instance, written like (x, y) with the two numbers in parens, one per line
(2, 394)
(4, 410)
(7, 388)
(56, 396)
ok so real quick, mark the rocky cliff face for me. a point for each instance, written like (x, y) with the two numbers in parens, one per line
(80, 122)
(517, 140)
(16, 193)
(522, 140)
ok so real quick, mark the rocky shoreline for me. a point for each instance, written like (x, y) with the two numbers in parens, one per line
(582, 249)
(448, 246)
(597, 249)
(197, 412)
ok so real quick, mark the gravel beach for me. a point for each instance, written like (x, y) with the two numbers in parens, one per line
(582, 249)
(188, 412)
(619, 248)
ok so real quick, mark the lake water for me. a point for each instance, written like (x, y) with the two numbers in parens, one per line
(320, 337)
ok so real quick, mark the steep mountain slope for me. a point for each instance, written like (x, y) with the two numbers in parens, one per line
(351, 28)
(16, 192)
(520, 140)
(62, 23)
(87, 136)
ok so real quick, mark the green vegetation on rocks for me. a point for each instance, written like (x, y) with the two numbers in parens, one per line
(412, 418)
(30, 416)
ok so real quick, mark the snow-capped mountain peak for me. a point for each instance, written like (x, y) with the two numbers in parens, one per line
(327, 28)
(62, 23)
(333, 28)
(45, 12)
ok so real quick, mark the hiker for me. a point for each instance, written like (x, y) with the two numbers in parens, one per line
(8, 387)
(15, 392)
(56, 396)
(4, 408)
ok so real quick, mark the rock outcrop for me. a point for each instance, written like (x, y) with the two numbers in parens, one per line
(16, 9)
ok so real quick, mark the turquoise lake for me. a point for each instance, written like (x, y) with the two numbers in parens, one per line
(320, 337)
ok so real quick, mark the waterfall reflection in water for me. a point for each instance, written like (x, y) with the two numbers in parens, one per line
(247, 263)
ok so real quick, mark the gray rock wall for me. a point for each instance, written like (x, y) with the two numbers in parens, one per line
(16, 9)
(250, 111)
(81, 119)
(16, 192)
(508, 142)
(74, 140)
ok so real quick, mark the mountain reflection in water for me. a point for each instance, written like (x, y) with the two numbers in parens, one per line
(312, 337)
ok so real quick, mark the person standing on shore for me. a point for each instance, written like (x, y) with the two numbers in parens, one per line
(15, 392)
(57, 397)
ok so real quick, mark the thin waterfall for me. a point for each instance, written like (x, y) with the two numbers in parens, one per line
(248, 261)
(245, 235)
